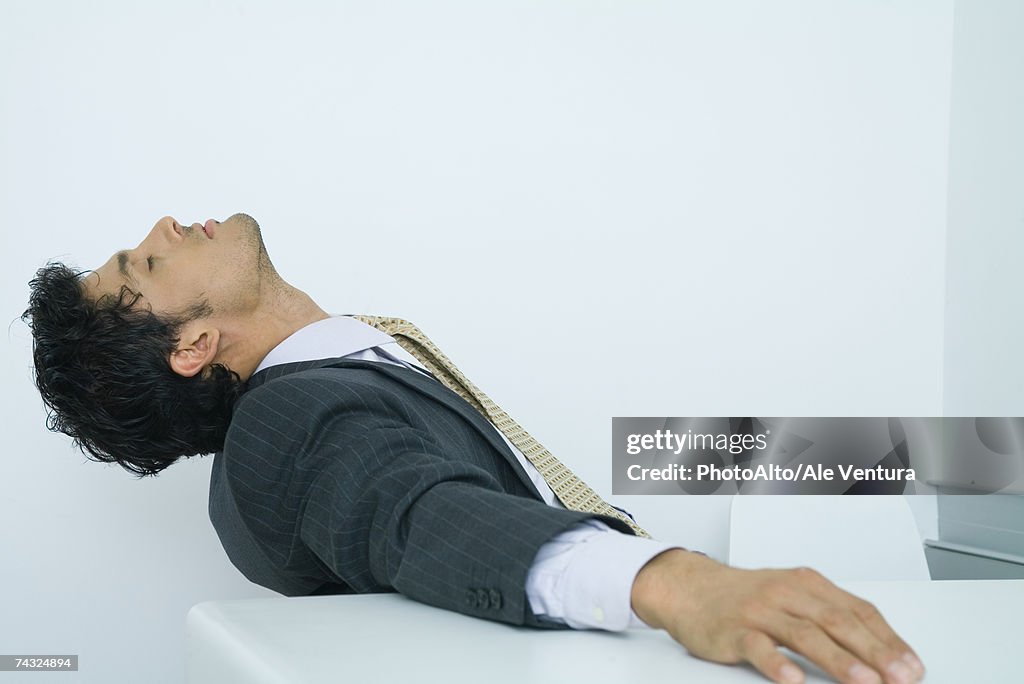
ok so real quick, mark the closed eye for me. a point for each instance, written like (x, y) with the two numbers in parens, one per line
(149, 260)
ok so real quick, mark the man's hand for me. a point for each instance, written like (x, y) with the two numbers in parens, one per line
(730, 615)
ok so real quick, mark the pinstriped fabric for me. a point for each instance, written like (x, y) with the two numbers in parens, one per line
(342, 476)
(573, 492)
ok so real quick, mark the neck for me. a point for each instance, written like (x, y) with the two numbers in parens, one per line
(284, 311)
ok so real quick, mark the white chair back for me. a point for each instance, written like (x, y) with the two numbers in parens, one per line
(846, 538)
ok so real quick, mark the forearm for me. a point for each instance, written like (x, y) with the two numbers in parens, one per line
(583, 576)
(656, 591)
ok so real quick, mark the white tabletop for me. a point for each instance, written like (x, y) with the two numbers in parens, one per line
(964, 631)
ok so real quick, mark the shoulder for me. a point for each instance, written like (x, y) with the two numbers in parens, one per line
(295, 414)
(309, 395)
(287, 432)
(284, 432)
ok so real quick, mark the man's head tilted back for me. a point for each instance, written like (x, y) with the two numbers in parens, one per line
(135, 360)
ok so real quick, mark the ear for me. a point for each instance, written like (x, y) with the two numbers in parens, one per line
(196, 350)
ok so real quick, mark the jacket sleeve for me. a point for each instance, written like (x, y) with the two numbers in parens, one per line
(348, 485)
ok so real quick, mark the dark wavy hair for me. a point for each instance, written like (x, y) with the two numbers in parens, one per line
(103, 370)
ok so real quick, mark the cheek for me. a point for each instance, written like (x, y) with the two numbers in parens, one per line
(172, 296)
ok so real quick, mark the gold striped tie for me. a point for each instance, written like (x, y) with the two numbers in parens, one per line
(570, 490)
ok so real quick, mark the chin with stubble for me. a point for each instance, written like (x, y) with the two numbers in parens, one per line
(251, 230)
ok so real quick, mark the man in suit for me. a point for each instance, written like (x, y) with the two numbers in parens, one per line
(342, 465)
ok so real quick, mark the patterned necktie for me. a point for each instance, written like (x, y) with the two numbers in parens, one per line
(570, 490)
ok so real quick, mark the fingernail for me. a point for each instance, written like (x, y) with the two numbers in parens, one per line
(900, 672)
(791, 675)
(862, 674)
(915, 664)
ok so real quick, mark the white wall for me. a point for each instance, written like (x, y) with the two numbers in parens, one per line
(984, 322)
(596, 209)
(984, 326)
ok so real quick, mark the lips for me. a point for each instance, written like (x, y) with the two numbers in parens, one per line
(208, 227)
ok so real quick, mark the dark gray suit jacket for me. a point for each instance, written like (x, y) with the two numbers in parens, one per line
(343, 476)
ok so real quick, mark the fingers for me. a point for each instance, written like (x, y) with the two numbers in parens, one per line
(858, 626)
(843, 634)
(749, 614)
(870, 616)
(809, 639)
(762, 652)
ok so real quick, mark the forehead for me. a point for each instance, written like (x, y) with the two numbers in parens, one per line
(109, 278)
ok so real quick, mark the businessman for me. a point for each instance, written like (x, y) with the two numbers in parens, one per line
(347, 462)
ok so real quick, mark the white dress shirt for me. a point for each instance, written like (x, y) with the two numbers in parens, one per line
(582, 577)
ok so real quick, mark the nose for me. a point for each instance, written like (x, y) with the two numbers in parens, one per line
(172, 223)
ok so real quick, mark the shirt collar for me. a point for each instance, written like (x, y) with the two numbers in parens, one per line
(332, 337)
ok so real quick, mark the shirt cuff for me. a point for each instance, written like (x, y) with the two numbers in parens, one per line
(584, 576)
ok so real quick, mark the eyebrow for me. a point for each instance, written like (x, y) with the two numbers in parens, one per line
(122, 266)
